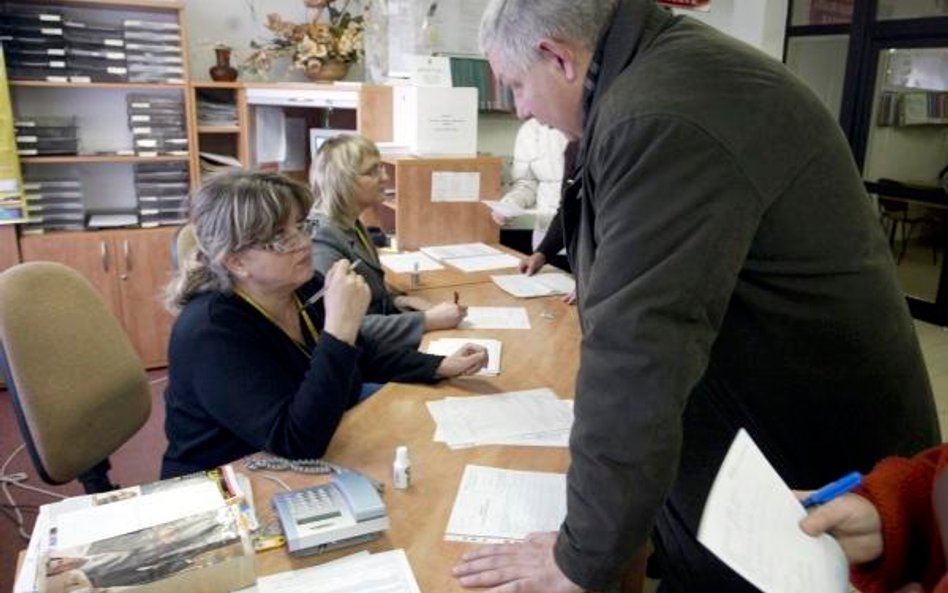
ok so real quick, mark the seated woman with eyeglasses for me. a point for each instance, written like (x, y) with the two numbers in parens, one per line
(348, 178)
(251, 368)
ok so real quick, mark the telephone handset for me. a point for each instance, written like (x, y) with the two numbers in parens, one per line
(346, 511)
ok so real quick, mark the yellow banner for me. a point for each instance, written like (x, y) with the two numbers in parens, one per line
(12, 206)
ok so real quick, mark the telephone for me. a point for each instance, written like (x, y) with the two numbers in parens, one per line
(346, 511)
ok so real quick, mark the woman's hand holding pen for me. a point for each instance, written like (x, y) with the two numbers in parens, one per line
(852, 520)
(346, 300)
(444, 316)
(469, 359)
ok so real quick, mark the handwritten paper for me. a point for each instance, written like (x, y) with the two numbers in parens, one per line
(751, 522)
(495, 318)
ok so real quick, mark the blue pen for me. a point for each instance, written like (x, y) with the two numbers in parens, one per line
(833, 490)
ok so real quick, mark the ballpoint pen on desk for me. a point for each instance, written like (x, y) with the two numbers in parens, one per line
(322, 291)
(833, 490)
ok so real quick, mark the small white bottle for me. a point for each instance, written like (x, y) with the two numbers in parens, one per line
(401, 468)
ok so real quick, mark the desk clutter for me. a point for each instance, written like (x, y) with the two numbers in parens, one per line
(50, 44)
(183, 534)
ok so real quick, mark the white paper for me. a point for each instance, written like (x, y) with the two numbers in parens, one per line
(270, 145)
(430, 70)
(448, 346)
(522, 286)
(751, 522)
(495, 318)
(26, 579)
(405, 262)
(444, 252)
(535, 417)
(450, 186)
(501, 505)
(485, 262)
(96, 523)
(385, 572)
(505, 209)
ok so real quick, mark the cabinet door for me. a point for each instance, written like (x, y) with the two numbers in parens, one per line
(90, 253)
(144, 268)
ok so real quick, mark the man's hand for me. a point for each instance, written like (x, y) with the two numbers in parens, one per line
(526, 567)
(853, 521)
(532, 264)
(499, 218)
(468, 359)
(570, 299)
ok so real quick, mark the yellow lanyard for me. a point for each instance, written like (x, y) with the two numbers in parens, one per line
(369, 248)
(309, 322)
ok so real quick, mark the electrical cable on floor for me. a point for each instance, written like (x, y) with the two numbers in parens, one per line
(275, 479)
(18, 479)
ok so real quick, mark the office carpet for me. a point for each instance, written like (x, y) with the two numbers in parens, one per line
(138, 461)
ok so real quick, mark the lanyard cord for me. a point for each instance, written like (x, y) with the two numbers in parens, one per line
(369, 247)
(306, 320)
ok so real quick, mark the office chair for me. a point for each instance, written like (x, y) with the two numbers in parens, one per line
(183, 245)
(79, 389)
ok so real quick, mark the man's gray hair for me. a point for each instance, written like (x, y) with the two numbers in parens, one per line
(513, 28)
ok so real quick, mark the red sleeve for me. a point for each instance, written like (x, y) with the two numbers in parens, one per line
(901, 489)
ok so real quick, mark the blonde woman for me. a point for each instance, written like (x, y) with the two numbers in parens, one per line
(254, 366)
(348, 177)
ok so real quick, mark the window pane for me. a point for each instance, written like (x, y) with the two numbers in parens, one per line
(822, 12)
(910, 9)
(907, 148)
(821, 62)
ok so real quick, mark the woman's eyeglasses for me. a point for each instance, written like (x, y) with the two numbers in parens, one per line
(377, 170)
(284, 243)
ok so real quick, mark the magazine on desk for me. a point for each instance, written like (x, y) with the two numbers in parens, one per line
(185, 534)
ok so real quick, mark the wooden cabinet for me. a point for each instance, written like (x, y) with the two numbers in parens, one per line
(129, 268)
(417, 220)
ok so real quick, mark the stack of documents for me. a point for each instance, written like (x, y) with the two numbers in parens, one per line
(501, 506)
(535, 417)
(448, 346)
(495, 318)
(410, 261)
(538, 285)
(751, 521)
(472, 257)
(384, 572)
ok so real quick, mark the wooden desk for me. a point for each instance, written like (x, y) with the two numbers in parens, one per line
(451, 276)
(545, 355)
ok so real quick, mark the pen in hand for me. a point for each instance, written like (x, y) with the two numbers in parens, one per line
(833, 490)
(322, 291)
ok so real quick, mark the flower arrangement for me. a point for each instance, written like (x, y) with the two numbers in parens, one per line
(311, 44)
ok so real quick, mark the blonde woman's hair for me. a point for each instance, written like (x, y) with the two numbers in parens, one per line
(232, 212)
(334, 173)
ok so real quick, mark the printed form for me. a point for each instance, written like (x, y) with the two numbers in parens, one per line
(496, 505)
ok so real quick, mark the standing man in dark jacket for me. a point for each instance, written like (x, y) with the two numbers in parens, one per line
(730, 272)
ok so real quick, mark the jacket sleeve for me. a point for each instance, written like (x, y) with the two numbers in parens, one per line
(673, 220)
(252, 397)
(399, 330)
(901, 490)
(553, 241)
(381, 362)
(523, 189)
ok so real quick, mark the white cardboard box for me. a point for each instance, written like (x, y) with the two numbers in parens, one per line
(436, 120)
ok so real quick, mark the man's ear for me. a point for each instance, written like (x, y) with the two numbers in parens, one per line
(561, 55)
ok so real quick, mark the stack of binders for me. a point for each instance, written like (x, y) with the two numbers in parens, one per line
(33, 43)
(162, 190)
(53, 204)
(95, 52)
(153, 51)
(45, 136)
(157, 124)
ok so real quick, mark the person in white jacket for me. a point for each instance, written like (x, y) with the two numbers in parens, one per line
(537, 175)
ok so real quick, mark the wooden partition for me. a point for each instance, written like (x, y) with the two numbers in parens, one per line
(420, 221)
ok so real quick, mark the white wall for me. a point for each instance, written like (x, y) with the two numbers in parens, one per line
(760, 23)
